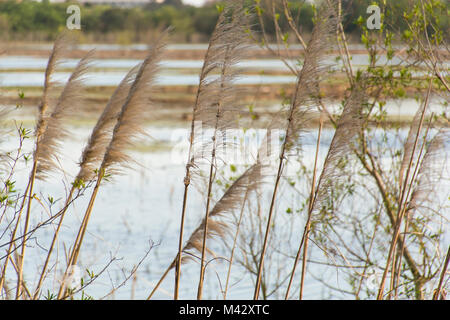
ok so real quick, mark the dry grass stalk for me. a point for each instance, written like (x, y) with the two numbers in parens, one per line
(311, 201)
(49, 142)
(423, 186)
(218, 109)
(305, 95)
(408, 155)
(344, 139)
(231, 259)
(55, 56)
(230, 201)
(428, 174)
(210, 64)
(92, 155)
(71, 97)
(59, 47)
(127, 128)
(438, 293)
(100, 137)
(403, 196)
(397, 261)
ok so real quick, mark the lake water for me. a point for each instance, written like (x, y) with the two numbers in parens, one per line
(12, 72)
(143, 205)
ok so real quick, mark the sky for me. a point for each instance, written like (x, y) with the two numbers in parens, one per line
(194, 2)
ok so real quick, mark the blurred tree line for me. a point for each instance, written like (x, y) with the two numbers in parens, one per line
(31, 20)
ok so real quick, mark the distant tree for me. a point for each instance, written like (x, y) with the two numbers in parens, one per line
(204, 19)
(112, 19)
(175, 3)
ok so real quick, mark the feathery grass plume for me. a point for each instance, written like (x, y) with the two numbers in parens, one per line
(344, 139)
(226, 46)
(217, 108)
(49, 133)
(218, 97)
(71, 97)
(100, 137)
(404, 194)
(137, 105)
(408, 148)
(313, 71)
(128, 126)
(305, 96)
(59, 47)
(230, 201)
(426, 178)
(92, 155)
(438, 292)
(40, 127)
(347, 129)
(218, 223)
(429, 173)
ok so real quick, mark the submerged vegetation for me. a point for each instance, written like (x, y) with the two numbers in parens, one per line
(376, 207)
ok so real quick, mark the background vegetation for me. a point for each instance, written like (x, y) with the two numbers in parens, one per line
(42, 21)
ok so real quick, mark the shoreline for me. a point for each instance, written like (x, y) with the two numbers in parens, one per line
(173, 52)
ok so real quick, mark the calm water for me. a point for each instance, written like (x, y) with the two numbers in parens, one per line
(12, 72)
(143, 205)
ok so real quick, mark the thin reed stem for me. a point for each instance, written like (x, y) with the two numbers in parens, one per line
(230, 263)
(25, 229)
(13, 236)
(82, 231)
(80, 235)
(160, 281)
(402, 197)
(52, 245)
(269, 224)
(438, 290)
(187, 177)
(305, 94)
(405, 231)
(73, 258)
(180, 239)
(311, 205)
(274, 193)
(307, 225)
(212, 171)
(205, 231)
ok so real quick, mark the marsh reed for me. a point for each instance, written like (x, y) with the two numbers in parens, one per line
(329, 229)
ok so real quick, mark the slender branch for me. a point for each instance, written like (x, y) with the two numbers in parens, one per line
(402, 207)
(438, 290)
(307, 225)
(234, 245)
(52, 245)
